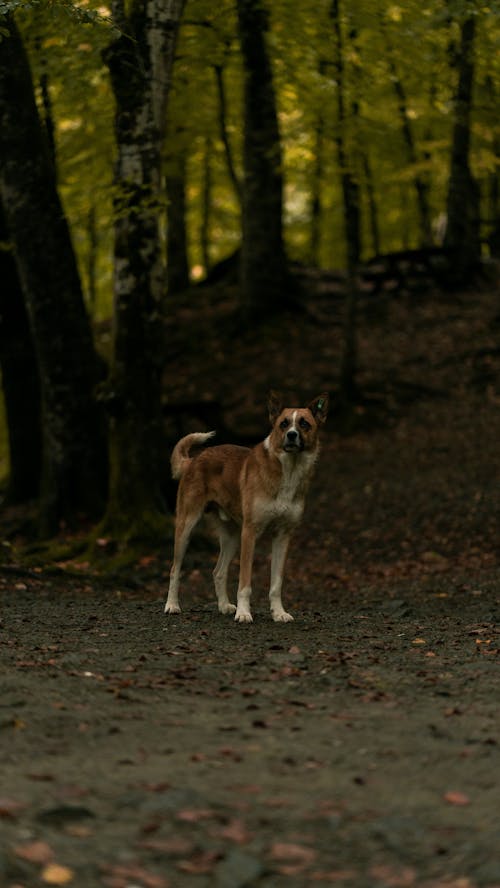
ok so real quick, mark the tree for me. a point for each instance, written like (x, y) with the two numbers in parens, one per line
(462, 232)
(21, 382)
(264, 275)
(140, 62)
(74, 460)
(352, 220)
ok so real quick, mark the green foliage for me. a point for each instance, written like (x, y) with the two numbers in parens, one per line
(418, 40)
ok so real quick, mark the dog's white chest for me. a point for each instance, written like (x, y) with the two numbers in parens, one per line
(287, 506)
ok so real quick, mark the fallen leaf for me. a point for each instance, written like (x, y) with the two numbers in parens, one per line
(456, 798)
(55, 874)
(174, 845)
(291, 852)
(35, 852)
(123, 876)
(10, 808)
(193, 815)
(200, 864)
(236, 831)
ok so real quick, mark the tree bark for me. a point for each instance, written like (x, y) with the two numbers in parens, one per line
(20, 379)
(74, 463)
(348, 390)
(462, 231)
(264, 273)
(224, 136)
(421, 186)
(177, 254)
(140, 63)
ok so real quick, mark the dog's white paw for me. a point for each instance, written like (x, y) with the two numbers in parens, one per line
(243, 616)
(172, 609)
(227, 608)
(282, 617)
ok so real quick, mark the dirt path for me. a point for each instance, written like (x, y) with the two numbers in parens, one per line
(354, 748)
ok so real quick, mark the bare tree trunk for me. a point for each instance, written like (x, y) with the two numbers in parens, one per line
(140, 63)
(20, 380)
(350, 195)
(462, 232)
(264, 274)
(177, 249)
(206, 205)
(221, 93)
(421, 186)
(74, 464)
(316, 190)
(372, 205)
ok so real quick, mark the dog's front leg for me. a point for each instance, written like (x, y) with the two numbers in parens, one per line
(278, 558)
(243, 613)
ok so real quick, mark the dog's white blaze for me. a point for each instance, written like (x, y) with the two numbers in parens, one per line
(294, 422)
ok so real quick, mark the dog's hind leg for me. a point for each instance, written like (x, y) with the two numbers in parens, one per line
(228, 541)
(278, 558)
(183, 530)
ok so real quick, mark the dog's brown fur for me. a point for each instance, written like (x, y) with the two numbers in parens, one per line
(246, 492)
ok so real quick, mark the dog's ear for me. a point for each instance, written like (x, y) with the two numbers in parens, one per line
(319, 407)
(274, 405)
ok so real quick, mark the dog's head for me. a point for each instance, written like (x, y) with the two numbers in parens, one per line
(295, 429)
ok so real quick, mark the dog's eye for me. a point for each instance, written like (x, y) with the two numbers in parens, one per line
(304, 424)
(284, 424)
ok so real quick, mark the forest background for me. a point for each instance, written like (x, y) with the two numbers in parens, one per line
(154, 152)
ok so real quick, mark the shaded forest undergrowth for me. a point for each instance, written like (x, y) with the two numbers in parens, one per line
(356, 746)
(407, 478)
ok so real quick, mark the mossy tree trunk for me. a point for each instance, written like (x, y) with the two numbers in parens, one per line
(74, 450)
(264, 274)
(140, 63)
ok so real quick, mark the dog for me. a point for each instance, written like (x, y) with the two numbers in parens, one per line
(246, 492)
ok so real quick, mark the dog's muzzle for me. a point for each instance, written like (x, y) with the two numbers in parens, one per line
(293, 442)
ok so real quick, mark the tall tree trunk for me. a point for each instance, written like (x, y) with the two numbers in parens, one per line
(316, 190)
(140, 63)
(462, 231)
(177, 251)
(74, 463)
(264, 275)
(372, 204)
(351, 202)
(421, 186)
(206, 205)
(224, 136)
(20, 379)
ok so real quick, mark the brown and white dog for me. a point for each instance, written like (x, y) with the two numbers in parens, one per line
(245, 492)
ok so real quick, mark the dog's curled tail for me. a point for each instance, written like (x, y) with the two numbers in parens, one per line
(180, 458)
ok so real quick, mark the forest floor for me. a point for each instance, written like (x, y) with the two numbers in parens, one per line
(357, 746)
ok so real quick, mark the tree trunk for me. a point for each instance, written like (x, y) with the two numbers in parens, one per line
(264, 275)
(74, 463)
(206, 206)
(462, 231)
(350, 195)
(316, 189)
(224, 136)
(177, 254)
(421, 186)
(140, 63)
(21, 383)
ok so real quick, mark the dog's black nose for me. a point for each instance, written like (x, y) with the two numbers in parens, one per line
(292, 435)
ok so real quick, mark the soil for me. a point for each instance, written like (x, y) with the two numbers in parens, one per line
(357, 746)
